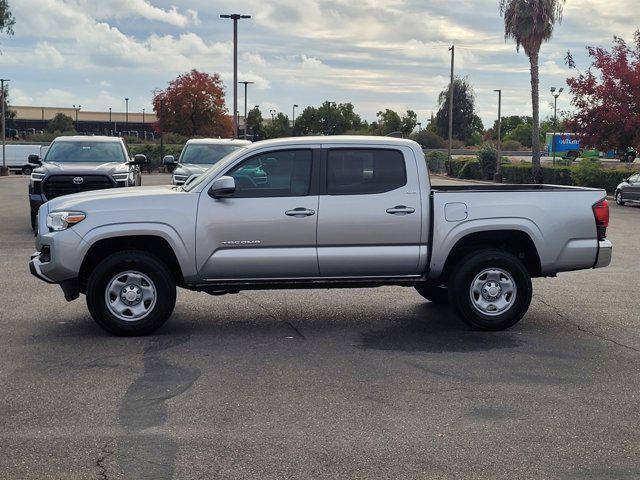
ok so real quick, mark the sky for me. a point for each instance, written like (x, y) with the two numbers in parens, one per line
(375, 54)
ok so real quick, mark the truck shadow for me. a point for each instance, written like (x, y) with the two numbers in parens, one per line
(435, 329)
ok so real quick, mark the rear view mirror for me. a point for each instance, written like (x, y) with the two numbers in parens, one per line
(35, 159)
(139, 159)
(222, 187)
(169, 160)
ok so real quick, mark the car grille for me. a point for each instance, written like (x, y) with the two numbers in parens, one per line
(58, 185)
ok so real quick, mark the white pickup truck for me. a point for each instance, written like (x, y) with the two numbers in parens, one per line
(317, 212)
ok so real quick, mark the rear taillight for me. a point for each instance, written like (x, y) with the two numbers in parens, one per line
(601, 214)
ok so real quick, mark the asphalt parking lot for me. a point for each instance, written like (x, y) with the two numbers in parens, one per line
(367, 383)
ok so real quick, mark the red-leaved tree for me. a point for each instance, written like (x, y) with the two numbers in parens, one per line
(193, 105)
(607, 96)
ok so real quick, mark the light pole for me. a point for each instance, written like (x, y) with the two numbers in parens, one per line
(160, 119)
(143, 116)
(555, 120)
(273, 114)
(293, 117)
(77, 109)
(245, 107)
(235, 17)
(110, 124)
(419, 127)
(5, 169)
(450, 143)
(126, 114)
(498, 175)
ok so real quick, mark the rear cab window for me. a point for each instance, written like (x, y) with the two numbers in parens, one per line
(360, 171)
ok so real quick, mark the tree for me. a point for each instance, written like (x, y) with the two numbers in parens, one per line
(60, 123)
(328, 119)
(409, 122)
(255, 123)
(428, 139)
(530, 23)
(388, 122)
(6, 18)
(193, 105)
(278, 127)
(522, 134)
(309, 122)
(465, 120)
(607, 97)
(508, 125)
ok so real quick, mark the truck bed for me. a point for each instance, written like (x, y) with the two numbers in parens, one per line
(507, 187)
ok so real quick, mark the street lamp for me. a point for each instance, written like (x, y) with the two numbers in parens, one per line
(245, 107)
(77, 109)
(293, 117)
(498, 175)
(143, 116)
(419, 127)
(126, 114)
(273, 114)
(555, 120)
(5, 169)
(235, 17)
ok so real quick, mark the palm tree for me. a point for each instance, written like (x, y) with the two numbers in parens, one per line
(530, 23)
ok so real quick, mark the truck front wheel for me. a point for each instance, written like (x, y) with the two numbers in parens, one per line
(131, 293)
(490, 289)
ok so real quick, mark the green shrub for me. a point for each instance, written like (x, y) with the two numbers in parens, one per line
(152, 152)
(436, 162)
(521, 173)
(471, 170)
(511, 146)
(428, 139)
(454, 165)
(588, 172)
(488, 159)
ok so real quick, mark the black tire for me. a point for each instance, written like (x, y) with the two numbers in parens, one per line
(631, 158)
(27, 169)
(572, 156)
(131, 261)
(469, 269)
(435, 294)
(33, 221)
(619, 199)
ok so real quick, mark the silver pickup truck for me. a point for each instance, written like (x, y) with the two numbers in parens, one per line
(317, 212)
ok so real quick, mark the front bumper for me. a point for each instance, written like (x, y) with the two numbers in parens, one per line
(605, 252)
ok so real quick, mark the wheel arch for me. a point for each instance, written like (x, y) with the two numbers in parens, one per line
(517, 242)
(153, 244)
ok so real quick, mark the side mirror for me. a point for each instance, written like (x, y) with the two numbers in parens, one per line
(35, 159)
(139, 159)
(222, 187)
(169, 160)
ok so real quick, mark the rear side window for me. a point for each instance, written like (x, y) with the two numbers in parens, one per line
(362, 171)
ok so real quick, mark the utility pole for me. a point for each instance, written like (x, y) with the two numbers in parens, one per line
(245, 107)
(450, 145)
(160, 119)
(110, 123)
(555, 120)
(293, 117)
(235, 17)
(5, 169)
(498, 175)
(126, 115)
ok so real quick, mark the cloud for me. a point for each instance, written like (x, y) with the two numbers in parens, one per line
(120, 9)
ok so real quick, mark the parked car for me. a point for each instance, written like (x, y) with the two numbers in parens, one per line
(78, 164)
(198, 155)
(629, 190)
(18, 157)
(332, 212)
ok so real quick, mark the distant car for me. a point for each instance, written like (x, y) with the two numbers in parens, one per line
(629, 190)
(198, 155)
(18, 157)
(79, 163)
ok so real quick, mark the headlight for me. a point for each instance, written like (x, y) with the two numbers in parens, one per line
(121, 177)
(37, 176)
(179, 179)
(57, 221)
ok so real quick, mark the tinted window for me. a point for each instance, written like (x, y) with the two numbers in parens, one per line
(634, 178)
(283, 173)
(206, 154)
(364, 171)
(88, 151)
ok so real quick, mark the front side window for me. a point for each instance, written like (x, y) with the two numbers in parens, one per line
(364, 171)
(203, 154)
(634, 178)
(85, 151)
(282, 173)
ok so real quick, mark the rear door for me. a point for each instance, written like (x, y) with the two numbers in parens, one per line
(267, 229)
(370, 214)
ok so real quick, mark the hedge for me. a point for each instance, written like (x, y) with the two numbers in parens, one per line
(152, 151)
(588, 173)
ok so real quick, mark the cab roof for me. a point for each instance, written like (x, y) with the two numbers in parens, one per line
(217, 141)
(88, 138)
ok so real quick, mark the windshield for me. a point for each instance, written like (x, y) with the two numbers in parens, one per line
(213, 171)
(205, 154)
(81, 151)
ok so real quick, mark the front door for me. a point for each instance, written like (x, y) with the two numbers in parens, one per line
(370, 213)
(632, 191)
(267, 229)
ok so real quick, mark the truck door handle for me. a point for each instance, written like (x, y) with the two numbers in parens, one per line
(400, 210)
(300, 212)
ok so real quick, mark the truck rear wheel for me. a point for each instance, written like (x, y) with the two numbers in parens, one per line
(435, 294)
(490, 289)
(131, 293)
(27, 169)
